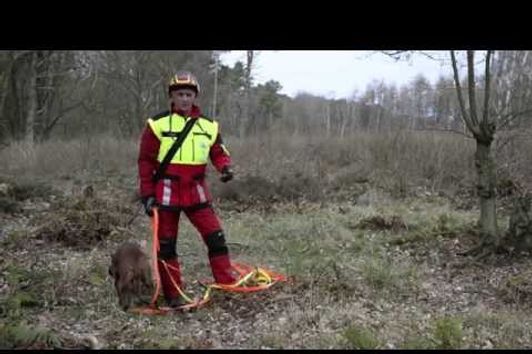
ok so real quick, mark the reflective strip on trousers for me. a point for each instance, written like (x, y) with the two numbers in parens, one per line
(167, 192)
(201, 193)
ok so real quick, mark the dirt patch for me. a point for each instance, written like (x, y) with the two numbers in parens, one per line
(83, 222)
(379, 222)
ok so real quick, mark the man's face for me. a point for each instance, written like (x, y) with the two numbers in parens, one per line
(183, 98)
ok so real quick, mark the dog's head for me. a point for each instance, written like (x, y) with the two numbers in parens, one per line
(129, 254)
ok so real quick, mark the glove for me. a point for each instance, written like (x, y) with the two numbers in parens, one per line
(149, 203)
(227, 174)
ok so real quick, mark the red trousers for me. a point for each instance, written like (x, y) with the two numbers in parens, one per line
(208, 225)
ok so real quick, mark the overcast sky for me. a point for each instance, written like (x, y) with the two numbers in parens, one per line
(336, 74)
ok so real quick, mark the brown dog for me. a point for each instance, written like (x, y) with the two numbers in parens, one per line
(130, 269)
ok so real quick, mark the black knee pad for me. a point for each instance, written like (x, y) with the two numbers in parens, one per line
(167, 249)
(216, 243)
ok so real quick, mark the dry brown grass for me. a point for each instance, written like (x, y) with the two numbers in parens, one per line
(279, 167)
(294, 168)
(60, 158)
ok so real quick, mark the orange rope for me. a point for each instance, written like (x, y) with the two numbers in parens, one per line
(264, 277)
(155, 250)
(153, 309)
(249, 273)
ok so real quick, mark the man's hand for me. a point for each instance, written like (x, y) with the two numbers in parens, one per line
(149, 203)
(227, 174)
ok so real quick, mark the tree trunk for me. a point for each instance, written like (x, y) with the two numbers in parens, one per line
(247, 99)
(4, 123)
(378, 121)
(46, 84)
(485, 166)
(342, 128)
(57, 64)
(32, 100)
(327, 119)
(215, 93)
(215, 90)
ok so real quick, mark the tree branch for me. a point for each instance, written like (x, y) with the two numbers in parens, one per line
(508, 118)
(471, 87)
(394, 54)
(441, 60)
(54, 121)
(446, 131)
(465, 117)
(487, 89)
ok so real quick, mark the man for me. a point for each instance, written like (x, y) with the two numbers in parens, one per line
(182, 186)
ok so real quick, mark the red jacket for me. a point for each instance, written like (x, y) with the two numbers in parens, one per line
(187, 186)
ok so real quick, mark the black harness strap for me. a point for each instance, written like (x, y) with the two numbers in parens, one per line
(177, 144)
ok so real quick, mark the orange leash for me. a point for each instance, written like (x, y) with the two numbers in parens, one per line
(152, 308)
(263, 278)
(250, 279)
(154, 250)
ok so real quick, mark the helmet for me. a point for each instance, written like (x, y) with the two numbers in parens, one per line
(183, 79)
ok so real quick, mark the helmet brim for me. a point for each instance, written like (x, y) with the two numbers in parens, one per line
(180, 87)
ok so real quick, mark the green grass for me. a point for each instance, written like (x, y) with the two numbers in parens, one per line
(359, 337)
(505, 330)
(448, 333)
(340, 273)
(418, 342)
(22, 336)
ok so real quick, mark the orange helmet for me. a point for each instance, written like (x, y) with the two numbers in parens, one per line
(183, 79)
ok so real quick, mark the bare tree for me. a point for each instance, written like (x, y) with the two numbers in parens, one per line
(483, 127)
(215, 68)
(31, 113)
(247, 91)
(7, 61)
